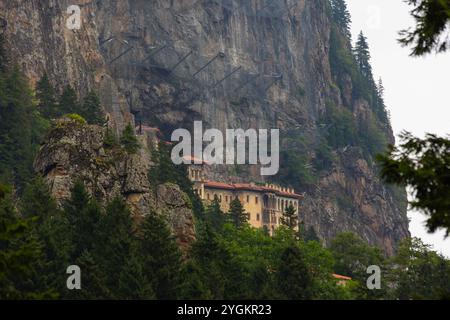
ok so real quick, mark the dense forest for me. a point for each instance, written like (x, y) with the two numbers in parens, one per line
(120, 259)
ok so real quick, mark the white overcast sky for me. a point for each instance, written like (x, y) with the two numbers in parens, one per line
(417, 89)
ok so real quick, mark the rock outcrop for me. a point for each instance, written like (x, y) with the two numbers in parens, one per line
(75, 151)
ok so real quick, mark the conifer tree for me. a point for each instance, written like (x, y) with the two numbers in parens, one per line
(45, 93)
(161, 257)
(290, 217)
(83, 216)
(17, 128)
(21, 258)
(362, 56)
(294, 278)
(342, 17)
(68, 102)
(92, 110)
(114, 241)
(37, 201)
(211, 258)
(93, 282)
(237, 214)
(133, 282)
(214, 215)
(128, 140)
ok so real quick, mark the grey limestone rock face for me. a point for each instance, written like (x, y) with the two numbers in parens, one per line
(74, 151)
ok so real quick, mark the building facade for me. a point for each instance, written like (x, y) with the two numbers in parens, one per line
(264, 204)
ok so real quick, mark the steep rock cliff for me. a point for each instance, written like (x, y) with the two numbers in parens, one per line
(167, 59)
(75, 151)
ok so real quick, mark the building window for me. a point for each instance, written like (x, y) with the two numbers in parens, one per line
(226, 198)
(248, 216)
(207, 196)
(256, 200)
(220, 198)
(248, 199)
(258, 217)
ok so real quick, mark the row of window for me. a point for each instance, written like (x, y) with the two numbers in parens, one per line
(196, 174)
(229, 198)
(281, 203)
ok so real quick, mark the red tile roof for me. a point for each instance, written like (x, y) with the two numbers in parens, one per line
(250, 187)
(193, 160)
(338, 276)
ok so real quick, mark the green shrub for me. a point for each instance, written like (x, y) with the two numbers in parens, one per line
(76, 117)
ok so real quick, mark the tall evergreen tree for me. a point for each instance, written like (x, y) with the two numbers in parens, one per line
(161, 257)
(211, 258)
(294, 278)
(215, 217)
(37, 201)
(341, 17)
(68, 102)
(237, 214)
(20, 128)
(21, 257)
(93, 279)
(133, 282)
(128, 140)
(83, 215)
(290, 217)
(362, 56)
(114, 241)
(45, 93)
(92, 110)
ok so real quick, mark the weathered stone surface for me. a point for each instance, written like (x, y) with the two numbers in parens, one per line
(75, 151)
(176, 206)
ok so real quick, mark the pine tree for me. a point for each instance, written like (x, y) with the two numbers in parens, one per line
(237, 214)
(18, 129)
(37, 201)
(92, 110)
(45, 93)
(341, 17)
(290, 217)
(93, 279)
(21, 257)
(68, 102)
(294, 279)
(129, 141)
(161, 257)
(83, 216)
(362, 56)
(132, 282)
(211, 258)
(114, 241)
(215, 217)
(110, 140)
